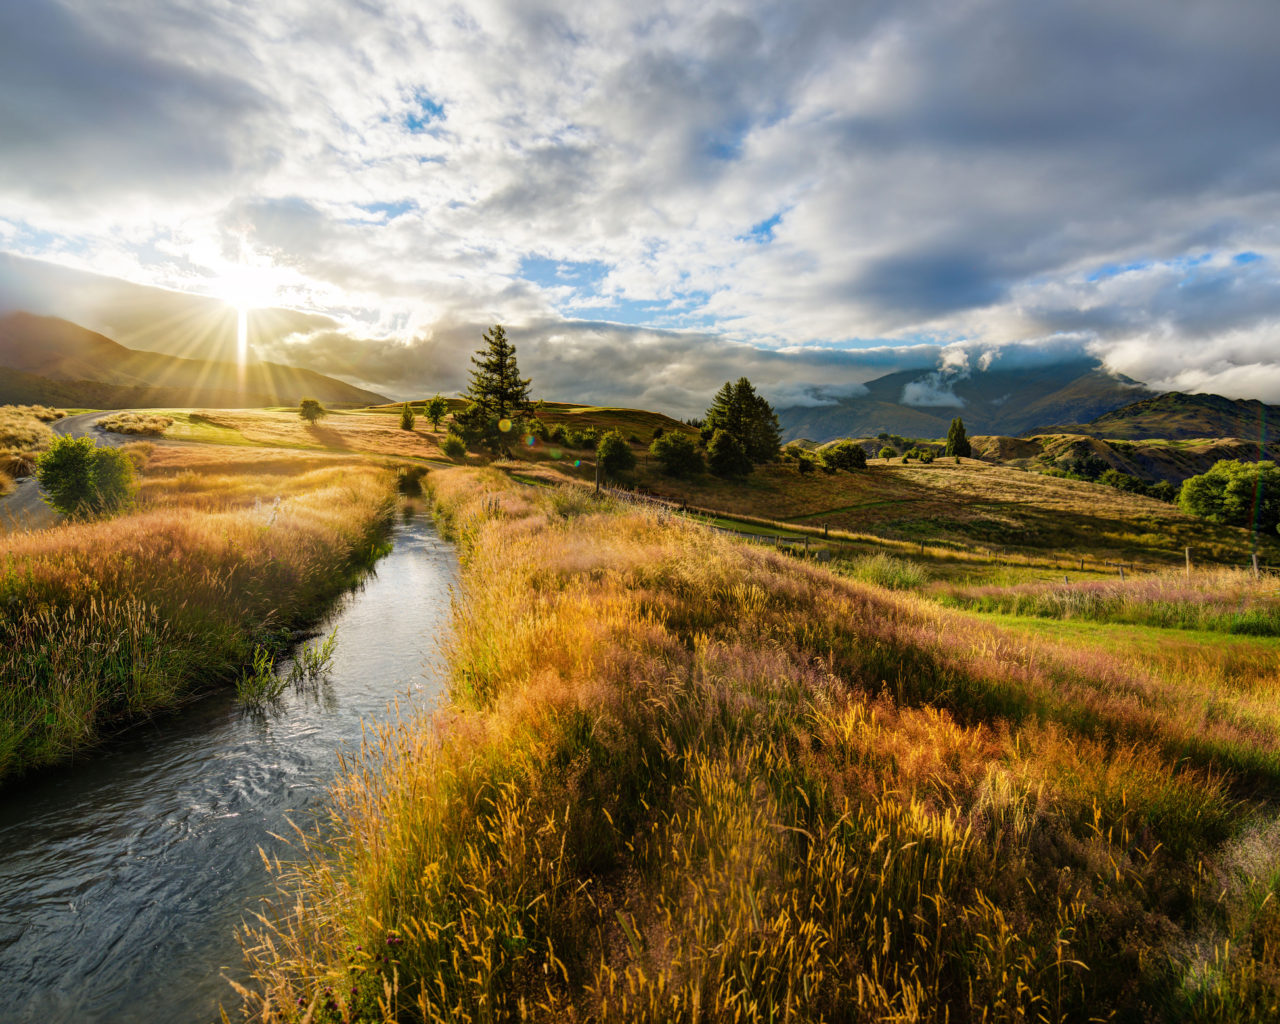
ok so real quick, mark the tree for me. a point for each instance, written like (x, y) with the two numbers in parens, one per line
(746, 416)
(80, 478)
(957, 443)
(614, 454)
(437, 409)
(407, 418)
(677, 454)
(1235, 493)
(311, 410)
(496, 385)
(886, 453)
(843, 455)
(727, 457)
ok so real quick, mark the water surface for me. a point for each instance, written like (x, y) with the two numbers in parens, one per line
(123, 878)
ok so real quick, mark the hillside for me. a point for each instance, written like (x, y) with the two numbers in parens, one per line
(990, 402)
(49, 360)
(1179, 416)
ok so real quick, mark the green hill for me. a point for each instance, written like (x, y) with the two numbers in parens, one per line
(1179, 416)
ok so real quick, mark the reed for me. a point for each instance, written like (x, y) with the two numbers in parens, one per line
(103, 622)
(681, 778)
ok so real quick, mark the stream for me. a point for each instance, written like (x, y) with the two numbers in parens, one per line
(123, 878)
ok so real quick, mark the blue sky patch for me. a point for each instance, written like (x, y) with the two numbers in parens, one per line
(428, 112)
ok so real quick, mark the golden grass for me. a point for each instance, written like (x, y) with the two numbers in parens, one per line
(684, 778)
(147, 424)
(371, 433)
(113, 619)
(24, 433)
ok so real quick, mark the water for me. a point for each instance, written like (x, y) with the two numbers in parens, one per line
(123, 879)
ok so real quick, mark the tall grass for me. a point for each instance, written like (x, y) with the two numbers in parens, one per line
(685, 779)
(102, 622)
(142, 423)
(24, 433)
(1222, 600)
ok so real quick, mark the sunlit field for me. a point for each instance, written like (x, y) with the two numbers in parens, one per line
(115, 619)
(683, 777)
(24, 433)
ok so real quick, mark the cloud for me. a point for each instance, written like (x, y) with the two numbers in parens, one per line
(990, 173)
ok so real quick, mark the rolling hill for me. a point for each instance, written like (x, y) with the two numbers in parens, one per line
(49, 360)
(1179, 416)
(1012, 401)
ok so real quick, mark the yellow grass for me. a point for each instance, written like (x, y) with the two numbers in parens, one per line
(113, 619)
(24, 433)
(682, 778)
(371, 433)
(148, 424)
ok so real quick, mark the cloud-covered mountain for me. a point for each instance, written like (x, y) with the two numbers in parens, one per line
(989, 401)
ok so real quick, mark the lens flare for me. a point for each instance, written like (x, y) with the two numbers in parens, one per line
(504, 425)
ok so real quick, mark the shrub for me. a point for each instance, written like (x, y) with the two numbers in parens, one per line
(726, 456)
(848, 455)
(136, 423)
(887, 453)
(407, 418)
(804, 465)
(454, 447)
(614, 454)
(1235, 493)
(80, 478)
(677, 454)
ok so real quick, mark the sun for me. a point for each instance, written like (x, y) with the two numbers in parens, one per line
(243, 289)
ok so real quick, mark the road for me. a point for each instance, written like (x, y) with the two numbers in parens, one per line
(24, 509)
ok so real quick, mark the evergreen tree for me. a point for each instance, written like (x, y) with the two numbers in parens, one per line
(747, 418)
(407, 418)
(496, 385)
(676, 453)
(437, 408)
(957, 443)
(726, 455)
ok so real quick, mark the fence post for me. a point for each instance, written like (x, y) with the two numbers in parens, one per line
(1255, 565)
(1122, 572)
(1082, 563)
(806, 546)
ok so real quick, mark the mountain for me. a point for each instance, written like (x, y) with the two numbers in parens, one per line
(1178, 416)
(920, 404)
(48, 360)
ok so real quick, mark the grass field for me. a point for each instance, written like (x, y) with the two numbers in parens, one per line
(227, 551)
(681, 777)
(24, 433)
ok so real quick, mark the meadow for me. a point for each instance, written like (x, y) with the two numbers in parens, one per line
(24, 433)
(682, 777)
(226, 553)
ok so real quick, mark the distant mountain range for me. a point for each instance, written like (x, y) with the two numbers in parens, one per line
(52, 361)
(1013, 401)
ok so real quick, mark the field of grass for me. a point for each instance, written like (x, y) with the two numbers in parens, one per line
(681, 777)
(139, 423)
(227, 550)
(975, 506)
(24, 433)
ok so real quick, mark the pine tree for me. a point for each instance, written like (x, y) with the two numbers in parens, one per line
(957, 443)
(407, 418)
(496, 384)
(747, 418)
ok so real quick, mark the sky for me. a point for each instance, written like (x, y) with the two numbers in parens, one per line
(653, 197)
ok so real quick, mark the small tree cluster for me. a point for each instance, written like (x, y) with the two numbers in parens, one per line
(846, 455)
(677, 453)
(738, 412)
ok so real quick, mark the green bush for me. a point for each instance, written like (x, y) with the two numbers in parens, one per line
(887, 453)
(407, 418)
(727, 457)
(677, 454)
(81, 478)
(454, 447)
(848, 455)
(1235, 493)
(614, 454)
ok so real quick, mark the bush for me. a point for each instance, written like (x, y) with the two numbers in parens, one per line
(887, 453)
(614, 454)
(677, 454)
(407, 418)
(847, 455)
(804, 465)
(1235, 493)
(454, 447)
(726, 456)
(81, 478)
